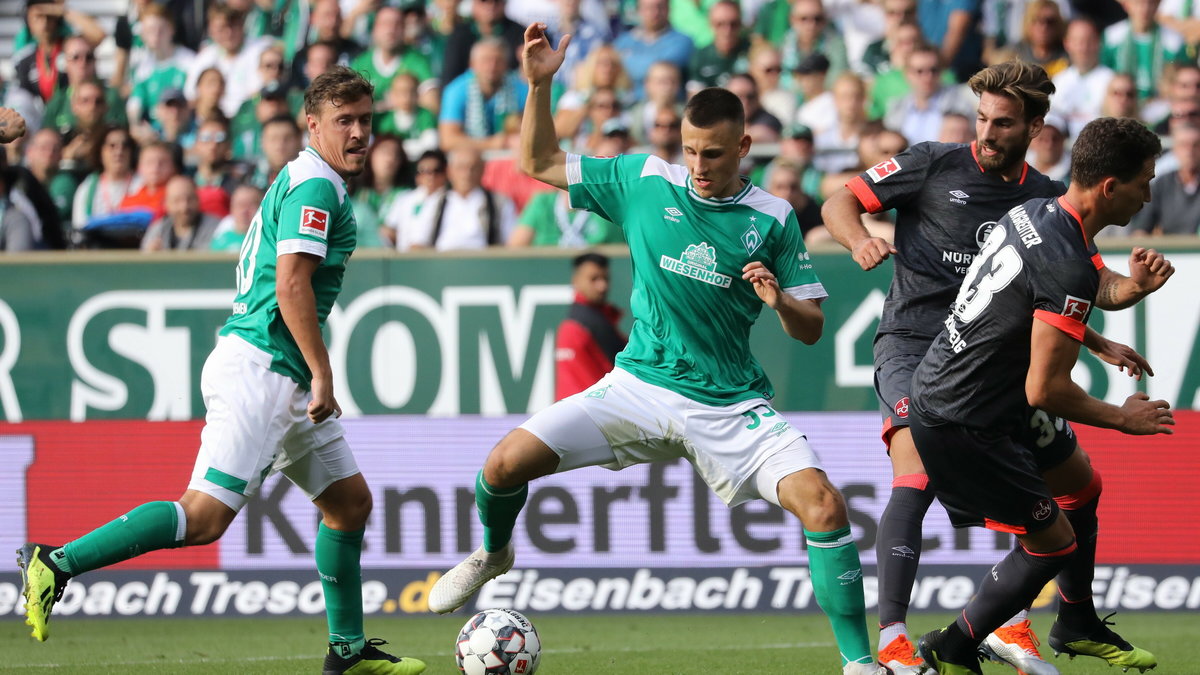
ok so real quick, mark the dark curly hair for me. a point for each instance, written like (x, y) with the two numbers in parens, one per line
(1112, 146)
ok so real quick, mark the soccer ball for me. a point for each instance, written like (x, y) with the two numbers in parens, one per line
(498, 642)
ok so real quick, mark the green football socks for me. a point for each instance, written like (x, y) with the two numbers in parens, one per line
(338, 564)
(498, 510)
(838, 587)
(149, 527)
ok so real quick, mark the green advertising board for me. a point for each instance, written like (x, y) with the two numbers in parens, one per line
(88, 336)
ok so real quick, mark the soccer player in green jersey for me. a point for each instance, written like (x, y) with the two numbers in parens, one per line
(268, 389)
(709, 250)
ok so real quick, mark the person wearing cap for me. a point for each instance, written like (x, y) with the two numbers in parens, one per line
(810, 79)
(247, 130)
(1048, 150)
(812, 33)
(173, 121)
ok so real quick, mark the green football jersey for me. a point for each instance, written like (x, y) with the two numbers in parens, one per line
(306, 210)
(692, 311)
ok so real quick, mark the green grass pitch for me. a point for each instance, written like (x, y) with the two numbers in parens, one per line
(630, 644)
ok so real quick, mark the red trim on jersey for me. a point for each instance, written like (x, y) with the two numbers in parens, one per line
(1082, 498)
(1098, 261)
(1062, 201)
(1001, 527)
(918, 481)
(864, 194)
(975, 156)
(1071, 327)
(1066, 550)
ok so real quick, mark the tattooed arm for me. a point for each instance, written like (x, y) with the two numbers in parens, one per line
(1148, 271)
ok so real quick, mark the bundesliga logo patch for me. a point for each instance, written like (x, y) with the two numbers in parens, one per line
(314, 222)
(1076, 308)
(883, 169)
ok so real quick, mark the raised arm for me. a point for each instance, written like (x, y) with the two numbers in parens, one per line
(1148, 271)
(842, 214)
(541, 157)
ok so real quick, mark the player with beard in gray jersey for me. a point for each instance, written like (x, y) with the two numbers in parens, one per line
(947, 197)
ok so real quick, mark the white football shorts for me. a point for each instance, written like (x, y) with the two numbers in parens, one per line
(741, 451)
(257, 423)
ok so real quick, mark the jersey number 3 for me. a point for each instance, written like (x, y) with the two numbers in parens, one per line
(1003, 265)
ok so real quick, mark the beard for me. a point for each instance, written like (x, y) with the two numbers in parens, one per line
(1000, 162)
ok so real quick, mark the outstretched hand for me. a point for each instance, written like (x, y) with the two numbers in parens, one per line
(1124, 358)
(1145, 417)
(539, 62)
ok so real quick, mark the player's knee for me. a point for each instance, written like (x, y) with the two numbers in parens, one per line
(204, 528)
(518, 458)
(814, 500)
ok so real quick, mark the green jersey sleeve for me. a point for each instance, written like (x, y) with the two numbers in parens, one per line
(791, 263)
(306, 217)
(604, 185)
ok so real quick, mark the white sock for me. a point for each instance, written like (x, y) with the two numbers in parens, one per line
(1020, 616)
(891, 632)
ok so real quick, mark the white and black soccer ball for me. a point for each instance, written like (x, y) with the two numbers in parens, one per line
(498, 642)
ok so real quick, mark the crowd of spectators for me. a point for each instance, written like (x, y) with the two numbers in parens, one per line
(202, 105)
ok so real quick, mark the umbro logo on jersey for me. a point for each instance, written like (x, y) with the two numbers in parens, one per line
(959, 197)
(883, 169)
(673, 214)
(314, 222)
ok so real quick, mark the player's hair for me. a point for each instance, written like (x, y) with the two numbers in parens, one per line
(436, 155)
(712, 106)
(337, 86)
(160, 11)
(1112, 146)
(598, 259)
(1023, 82)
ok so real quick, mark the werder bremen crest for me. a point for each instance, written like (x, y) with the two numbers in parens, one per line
(698, 261)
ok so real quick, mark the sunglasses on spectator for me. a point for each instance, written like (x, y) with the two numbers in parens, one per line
(211, 137)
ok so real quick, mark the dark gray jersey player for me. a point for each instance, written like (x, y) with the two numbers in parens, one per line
(945, 204)
(1035, 265)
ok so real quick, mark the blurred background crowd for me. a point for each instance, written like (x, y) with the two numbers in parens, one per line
(159, 124)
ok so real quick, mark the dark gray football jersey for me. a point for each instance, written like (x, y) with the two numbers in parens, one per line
(945, 205)
(1034, 265)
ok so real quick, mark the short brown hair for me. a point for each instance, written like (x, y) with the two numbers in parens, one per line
(1026, 83)
(337, 86)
